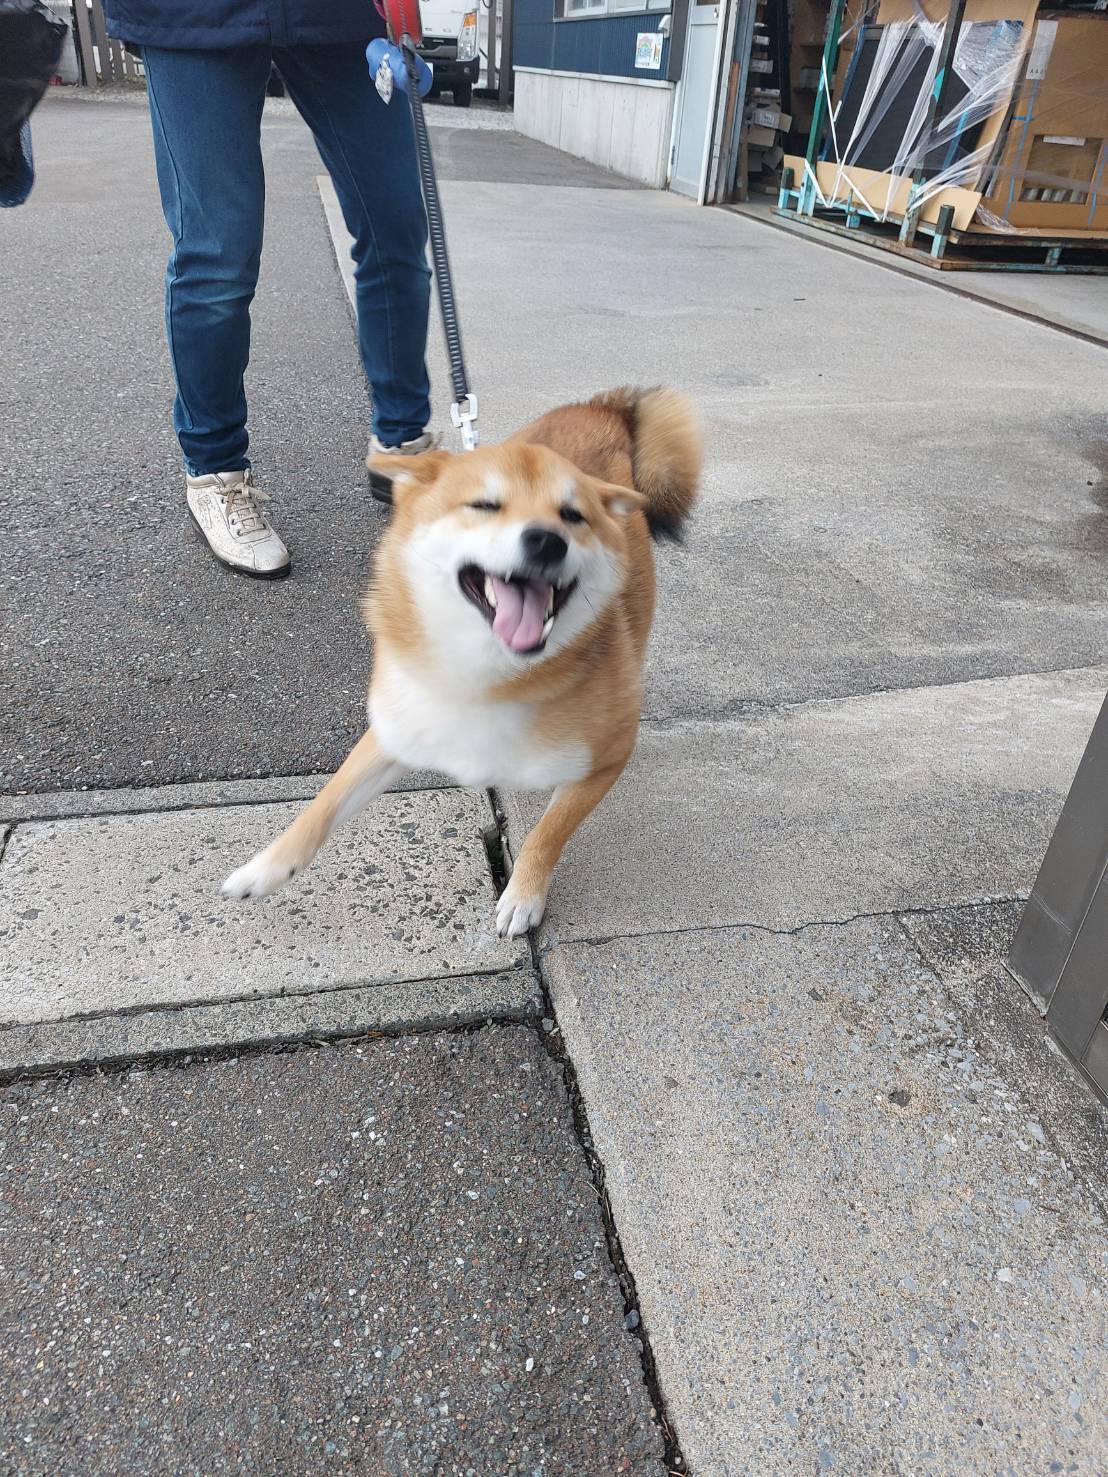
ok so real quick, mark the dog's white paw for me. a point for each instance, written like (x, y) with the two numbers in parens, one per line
(517, 913)
(260, 877)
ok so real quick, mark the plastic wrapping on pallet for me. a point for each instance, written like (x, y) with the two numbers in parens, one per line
(1021, 145)
(901, 80)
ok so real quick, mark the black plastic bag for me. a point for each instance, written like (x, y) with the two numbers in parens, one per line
(31, 39)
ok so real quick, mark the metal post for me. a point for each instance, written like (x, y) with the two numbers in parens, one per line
(723, 93)
(1069, 876)
(507, 74)
(943, 224)
(493, 37)
(786, 189)
(678, 35)
(951, 31)
(119, 59)
(822, 104)
(84, 44)
(1061, 945)
(734, 130)
(100, 35)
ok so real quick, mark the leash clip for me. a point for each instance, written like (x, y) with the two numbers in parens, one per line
(464, 415)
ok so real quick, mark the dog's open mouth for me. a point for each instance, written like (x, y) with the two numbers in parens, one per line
(521, 611)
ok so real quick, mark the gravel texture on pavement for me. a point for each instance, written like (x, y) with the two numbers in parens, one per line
(386, 1256)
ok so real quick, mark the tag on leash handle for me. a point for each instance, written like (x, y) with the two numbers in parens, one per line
(383, 81)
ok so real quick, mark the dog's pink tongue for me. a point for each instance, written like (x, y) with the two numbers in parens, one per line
(520, 612)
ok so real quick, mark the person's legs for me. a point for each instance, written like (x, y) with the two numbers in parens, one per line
(369, 150)
(206, 109)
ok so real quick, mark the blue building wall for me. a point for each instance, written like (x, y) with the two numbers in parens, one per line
(604, 46)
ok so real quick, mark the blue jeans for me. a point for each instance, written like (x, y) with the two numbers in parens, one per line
(206, 108)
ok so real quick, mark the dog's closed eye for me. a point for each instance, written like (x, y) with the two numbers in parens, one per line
(570, 514)
(485, 505)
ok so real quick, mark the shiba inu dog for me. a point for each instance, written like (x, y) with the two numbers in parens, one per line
(510, 606)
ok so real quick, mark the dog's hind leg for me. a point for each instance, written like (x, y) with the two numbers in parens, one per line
(523, 901)
(365, 773)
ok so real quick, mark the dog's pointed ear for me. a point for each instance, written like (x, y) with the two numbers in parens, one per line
(619, 501)
(406, 473)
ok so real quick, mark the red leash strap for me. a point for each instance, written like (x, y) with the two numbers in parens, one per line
(401, 18)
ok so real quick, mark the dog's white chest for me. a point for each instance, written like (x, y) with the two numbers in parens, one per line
(476, 742)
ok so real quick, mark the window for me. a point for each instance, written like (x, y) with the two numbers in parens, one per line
(576, 10)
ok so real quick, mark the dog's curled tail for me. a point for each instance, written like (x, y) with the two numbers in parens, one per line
(667, 443)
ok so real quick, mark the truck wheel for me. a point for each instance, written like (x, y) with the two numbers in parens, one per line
(463, 94)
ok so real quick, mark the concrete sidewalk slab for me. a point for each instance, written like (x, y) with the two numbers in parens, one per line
(855, 1248)
(324, 1015)
(122, 912)
(386, 1258)
(911, 799)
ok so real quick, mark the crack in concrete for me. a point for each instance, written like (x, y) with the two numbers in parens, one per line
(793, 932)
(554, 1045)
(33, 817)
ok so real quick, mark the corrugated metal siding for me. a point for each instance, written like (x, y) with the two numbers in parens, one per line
(605, 46)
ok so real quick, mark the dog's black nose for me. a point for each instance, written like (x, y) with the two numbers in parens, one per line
(543, 546)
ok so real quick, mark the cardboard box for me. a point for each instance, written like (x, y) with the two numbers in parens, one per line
(1050, 164)
(761, 138)
(771, 118)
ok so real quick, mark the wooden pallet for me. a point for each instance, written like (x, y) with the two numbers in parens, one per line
(964, 251)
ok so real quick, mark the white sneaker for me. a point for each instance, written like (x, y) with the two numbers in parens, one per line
(426, 442)
(224, 506)
(380, 484)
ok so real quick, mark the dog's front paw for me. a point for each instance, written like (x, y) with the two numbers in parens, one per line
(260, 877)
(518, 911)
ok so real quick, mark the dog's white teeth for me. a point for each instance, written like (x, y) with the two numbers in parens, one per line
(490, 593)
(550, 602)
(548, 626)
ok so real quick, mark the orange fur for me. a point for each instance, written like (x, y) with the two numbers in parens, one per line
(629, 462)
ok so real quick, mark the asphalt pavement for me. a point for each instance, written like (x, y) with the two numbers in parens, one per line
(383, 1257)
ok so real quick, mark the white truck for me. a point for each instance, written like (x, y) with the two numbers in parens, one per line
(451, 48)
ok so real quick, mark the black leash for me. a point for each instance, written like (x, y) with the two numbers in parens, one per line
(463, 411)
